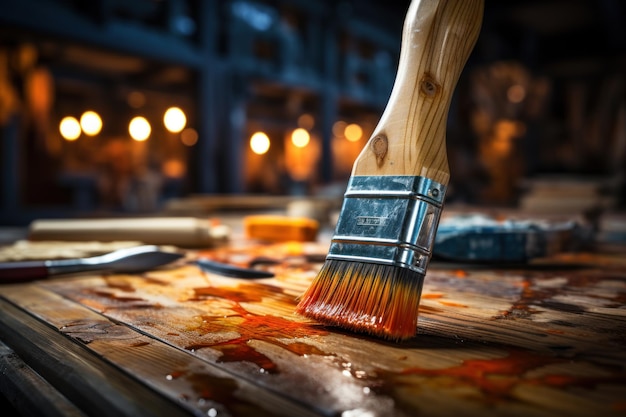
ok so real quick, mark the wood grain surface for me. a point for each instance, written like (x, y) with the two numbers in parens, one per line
(536, 341)
(410, 138)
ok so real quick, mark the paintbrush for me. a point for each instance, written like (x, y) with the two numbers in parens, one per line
(372, 278)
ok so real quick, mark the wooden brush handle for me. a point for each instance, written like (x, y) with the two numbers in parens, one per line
(410, 138)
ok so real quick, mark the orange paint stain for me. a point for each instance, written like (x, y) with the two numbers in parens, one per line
(452, 304)
(460, 273)
(302, 349)
(270, 329)
(497, 378)
(432, 296)
(428, 309)
(245, 293)
(106, 294)
(120, 285)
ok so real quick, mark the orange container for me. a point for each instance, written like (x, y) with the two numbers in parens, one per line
(276, 228)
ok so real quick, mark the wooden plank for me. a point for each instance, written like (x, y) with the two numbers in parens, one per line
(495, 342)
(106, 368)
(27, 392)
(71, 369)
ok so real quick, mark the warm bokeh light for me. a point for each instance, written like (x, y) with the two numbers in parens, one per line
(139, 128)
(516, 93)
(91, 123)
(306, 121)
(69, 128)
(174, 119)
(136, 99)
(259, 143)
(300, 137)
(339, 128)
(189, 136)
(353, 132)
(302, 153)
(174, 168)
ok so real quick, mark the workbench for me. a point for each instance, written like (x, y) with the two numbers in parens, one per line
(543, 339)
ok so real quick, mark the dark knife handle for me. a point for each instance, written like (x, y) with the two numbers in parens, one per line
(231, 270)
(22, 271)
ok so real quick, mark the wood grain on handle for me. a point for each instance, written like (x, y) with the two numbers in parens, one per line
(410, 138)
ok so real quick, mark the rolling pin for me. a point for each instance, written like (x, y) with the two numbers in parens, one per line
(177, 231)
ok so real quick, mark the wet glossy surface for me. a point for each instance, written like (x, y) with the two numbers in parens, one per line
(491, 341)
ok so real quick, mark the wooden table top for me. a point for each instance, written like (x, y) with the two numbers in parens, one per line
(541, 340)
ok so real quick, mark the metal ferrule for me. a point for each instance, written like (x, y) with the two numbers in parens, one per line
(388, 220)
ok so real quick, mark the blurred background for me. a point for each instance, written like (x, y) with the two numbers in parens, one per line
(124, 107)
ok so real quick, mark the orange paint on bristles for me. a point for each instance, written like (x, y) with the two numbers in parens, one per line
(381, 300)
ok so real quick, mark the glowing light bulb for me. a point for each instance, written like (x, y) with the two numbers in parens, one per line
(139, 129)
(259, 143)
(91, 123)
(174, 119)
(353, 132)
(69, 128)
(300, 137)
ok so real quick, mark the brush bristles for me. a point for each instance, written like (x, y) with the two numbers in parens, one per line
(381, 300)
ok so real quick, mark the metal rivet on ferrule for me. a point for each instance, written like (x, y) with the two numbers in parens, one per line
(434, 192)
